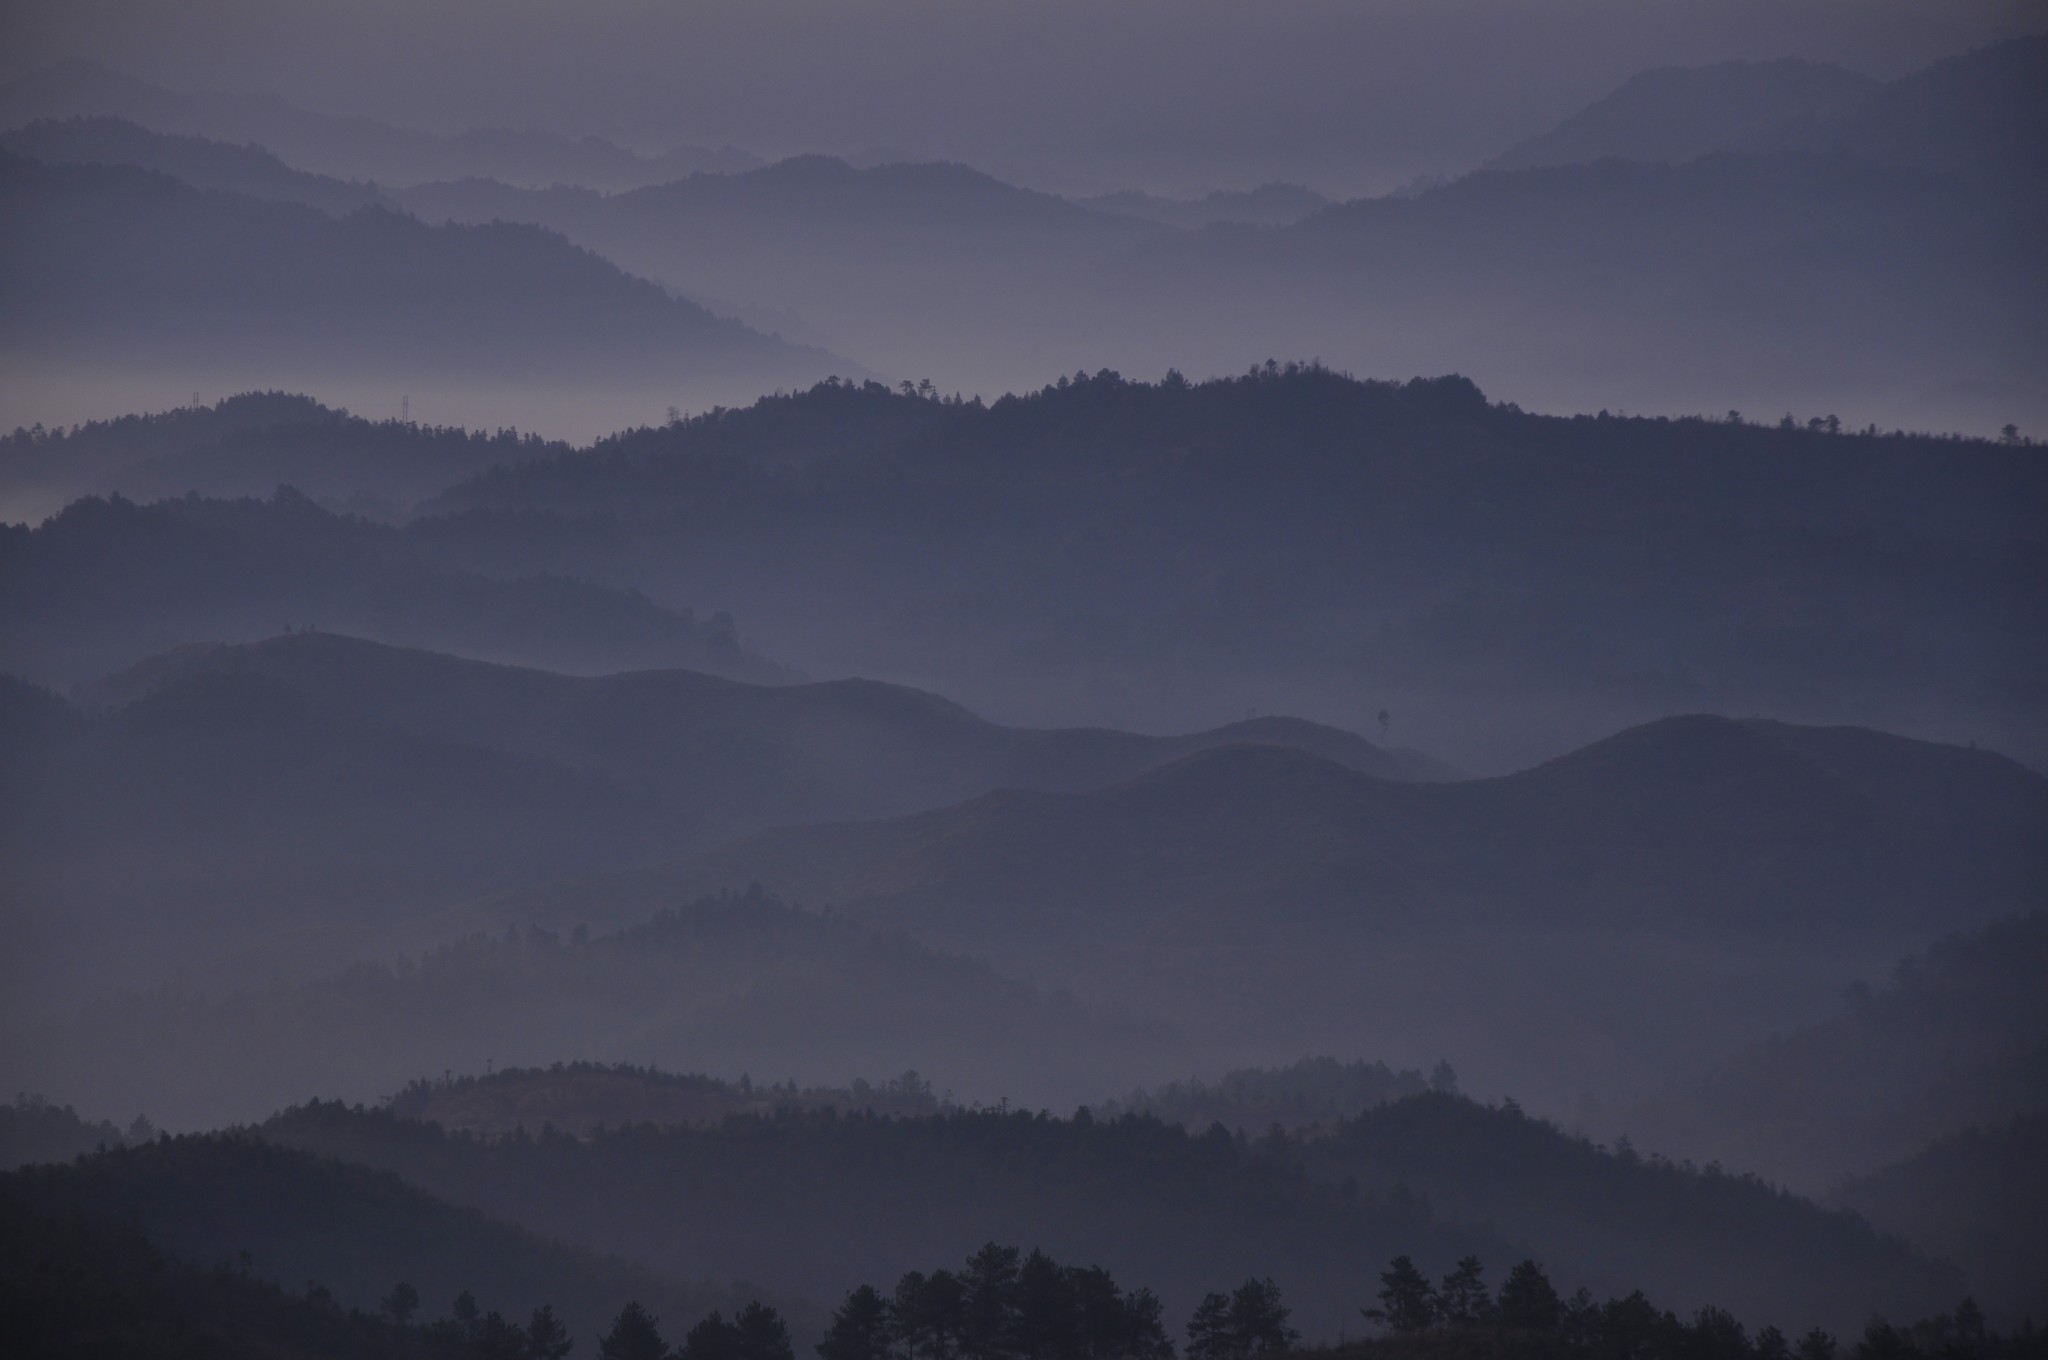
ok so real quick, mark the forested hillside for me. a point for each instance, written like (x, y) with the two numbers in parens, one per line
(1269, 902)
(1978, 1198)
(283, 1215)
(1327, 546)
(246, 169)
(741, 986)
(249, 445)
(808, 1201)
(1958, 1035)
(108, 583)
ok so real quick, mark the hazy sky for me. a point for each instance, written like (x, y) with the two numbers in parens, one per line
(1347, 95)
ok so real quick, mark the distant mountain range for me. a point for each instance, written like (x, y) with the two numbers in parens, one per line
(1308, 541)
(803, 1202)
(415, 780)
(1956, 1037)
(108, 583)
(118, 265)
(1269, 205)
(740, 985)
(352, 148)
(1977, 116)
(1835, 245)
(884, 260)
(1266, 901)
(201, 163)
(300, 1219)
(1976, 1197)
(249, 445)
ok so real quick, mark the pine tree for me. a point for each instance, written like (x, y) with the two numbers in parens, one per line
(1407, 1303)
(547, 1338)
(1528, 1301)
(1259, 1320)
(713, 1338)
(860, 1329)
(634, 1336)
(759, 1333)
(1464, 1300)
(1209, 1333)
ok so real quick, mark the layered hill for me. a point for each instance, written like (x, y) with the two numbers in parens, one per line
(1272, 204)
(882, 260)
(743, 986)
(1678, 113)
(1958, 1036)
(107, 583)
(352, 148)
(203, 164)
(222, 800)
(249, 445)
(578, 1097)
(1506, 584)
(1978, 1198)
(1977, 115)
(804, 1202)
(1809, 281)
(125, 271)
(1688, 824)
(302, 1219)
(1640, 906)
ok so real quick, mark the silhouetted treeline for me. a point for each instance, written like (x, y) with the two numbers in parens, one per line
(1950, 1039)
(741, 981)
(1230, 523)
(34, 1130)
(803, 1200)
(1460, 1317)
(109, 582)
(1313, 1091)
(280, 1214)
(249, 445)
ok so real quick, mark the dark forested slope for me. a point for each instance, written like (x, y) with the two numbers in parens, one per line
(108, 582)
(807, 1201)
(124, 265)
(1957, 1036)
(203, 164)
(738, 986)
(249, 445)
(1637, 907)
(1978, 1198)
(207, 1199)
(1315, 542)
(1699, 824)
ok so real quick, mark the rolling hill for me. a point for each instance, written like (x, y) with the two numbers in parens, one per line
(882, 260)
(135, 263)
(325, 793)
(1976, 1197)
(203, 164)
(1678, 113)
(1508, 585)
(742, 986)
(352, 148)
(108, 583)
(805, 1202)
(1976, 115)
(1687, 824)
(207, 1199)
(1958, 1036)
(1641, 906)
(249, 445)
